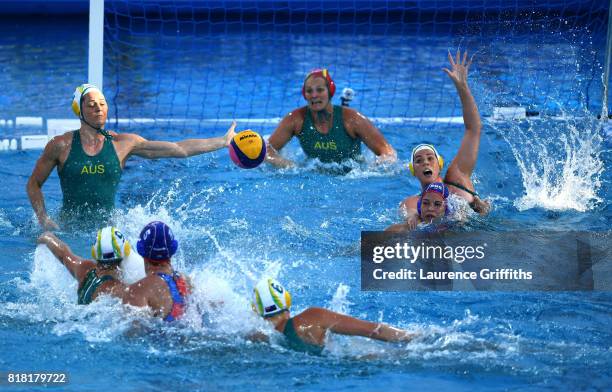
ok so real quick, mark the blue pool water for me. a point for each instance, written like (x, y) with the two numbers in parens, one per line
(303, 226)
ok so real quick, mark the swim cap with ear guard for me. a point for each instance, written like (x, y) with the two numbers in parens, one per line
(270, 298)
(111, 246)
(424, 147)
(79, 94)
(323, 73)
(157, 242)
(435, 187)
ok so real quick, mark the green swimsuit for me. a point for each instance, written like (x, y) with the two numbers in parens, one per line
(89, 182)
(335, 146)
(461, 187)
(90, 285)
(296, 343)
(473, 204)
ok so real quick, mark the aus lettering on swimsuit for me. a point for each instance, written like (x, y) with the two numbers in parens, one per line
(92, 169)
(325, 146)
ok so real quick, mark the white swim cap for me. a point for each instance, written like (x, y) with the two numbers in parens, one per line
(425, 147)
(270, 298)
(111, 246)
(77, 98)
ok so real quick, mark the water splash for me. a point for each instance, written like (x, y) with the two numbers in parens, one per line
(4, 221)
(349, 170)
(51, 295)
(219, 313)
(339, 302)
(561, 169)
(50, 276)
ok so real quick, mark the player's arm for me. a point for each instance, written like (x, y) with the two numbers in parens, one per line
(371, 136)
(400, 228)
(279, 138)
(45, 164)
(465, 160)
(185, 148)
(347, 325)
(77, 266)
(409, 212)
(257, 336)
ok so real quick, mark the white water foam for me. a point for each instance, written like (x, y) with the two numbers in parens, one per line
(219, 308)
(4, 221)
(560, 169)
(219, 311)
(219, 304)
(348, 170)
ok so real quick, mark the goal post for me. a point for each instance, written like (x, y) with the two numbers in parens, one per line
(95, 74)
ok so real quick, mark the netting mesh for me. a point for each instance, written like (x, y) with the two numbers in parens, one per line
(197, 63)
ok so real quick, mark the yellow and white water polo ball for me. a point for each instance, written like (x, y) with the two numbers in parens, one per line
(247, 149)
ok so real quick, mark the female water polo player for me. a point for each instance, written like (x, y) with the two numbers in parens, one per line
(426, 164)
(432, 205)
(91, 159)
(307, 330)
(95, 278)
(163, 290)
(327, 132)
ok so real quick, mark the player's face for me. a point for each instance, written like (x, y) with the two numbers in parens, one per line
(433, 206)
(317, 95)
(426, 166)
(94, 109)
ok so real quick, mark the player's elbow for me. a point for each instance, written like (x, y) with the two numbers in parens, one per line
(33, 185)
(182, 153)
(180, 150)
(474, 127)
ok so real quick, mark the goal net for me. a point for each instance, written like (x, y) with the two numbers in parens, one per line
(198, 64)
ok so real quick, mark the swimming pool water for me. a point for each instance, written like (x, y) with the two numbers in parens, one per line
(302, 225)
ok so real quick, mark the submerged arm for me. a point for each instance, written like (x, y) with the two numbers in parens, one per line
(258, 336)
(280, 137)
(400, 227)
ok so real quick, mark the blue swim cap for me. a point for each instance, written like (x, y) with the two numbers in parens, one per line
(435, 187)
(156, 241)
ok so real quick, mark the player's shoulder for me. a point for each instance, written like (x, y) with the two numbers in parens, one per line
(120, 137)
(63, 140)
(352, 114)
(295, 118)
(297, 114)
(58, 145)
(312, 315)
